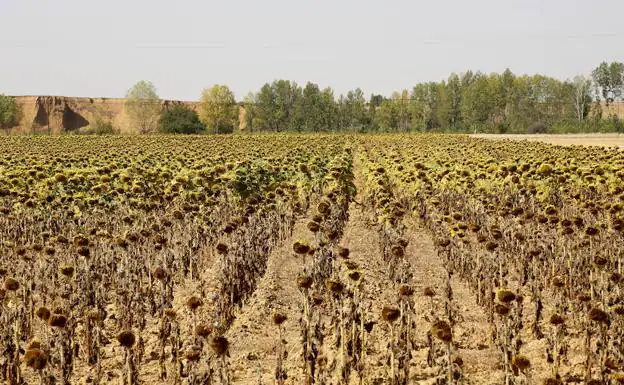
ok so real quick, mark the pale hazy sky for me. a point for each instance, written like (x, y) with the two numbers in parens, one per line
(101, 48)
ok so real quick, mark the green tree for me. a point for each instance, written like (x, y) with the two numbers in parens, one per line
(402, 102)
(479, 101)
(425, 103)
(276, 104)
(507, 93)
(180, 119)
(143, 106)
(451, 103)
(267, 106)
(356, 117)
(373, 105)
(286, 95)
(539, 99)
(343, 114)
(10, 112)
(467, 78)
(309, 109)
(387, 115)
(252, 120)
(610, 79)
(328, 110)
(553, 99)
(218, 109)
(315, 110)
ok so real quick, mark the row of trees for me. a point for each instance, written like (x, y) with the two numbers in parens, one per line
(284, 105)
(472, 101)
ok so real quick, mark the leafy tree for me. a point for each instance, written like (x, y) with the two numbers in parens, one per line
(541, 99)
(426, 99)
(373, 104)
(343, 117)
(180, 119)
(250, 105)
(555, 100)
(610, 78)
(315, 110)
(402, 102)
(10, 112)
(329, 110)
(309, 109)
(276, 104)
(468, 77)
(218, 109)
(286, 95)
(356, 117)
(529, 94)
(143, 106)
(581, 87)
(387, 115)
(478, 101)
(506, 94)
(267, 107)
(451, 103)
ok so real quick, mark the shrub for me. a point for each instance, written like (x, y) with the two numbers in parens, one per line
(10, 112)
(224, 128)
(103, 127)
(616, 123)
(537, 128)
(100, 125)
(502, 128)
(180, 120)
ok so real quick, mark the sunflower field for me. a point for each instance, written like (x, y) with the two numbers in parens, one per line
(310, 259)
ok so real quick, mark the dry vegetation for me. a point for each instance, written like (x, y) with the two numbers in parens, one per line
(316, 259)
(607, 140)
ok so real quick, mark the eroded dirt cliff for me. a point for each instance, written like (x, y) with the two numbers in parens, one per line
(58, 114)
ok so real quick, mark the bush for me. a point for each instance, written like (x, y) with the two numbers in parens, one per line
(616, 123)
(224, 128)
(103, 127)
(537, 128)
(180, 119)
(502, 128)
(10, 112)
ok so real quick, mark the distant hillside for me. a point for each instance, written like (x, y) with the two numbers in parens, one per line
(57, 114)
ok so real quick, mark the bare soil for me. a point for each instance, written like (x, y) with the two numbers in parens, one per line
(255, 338)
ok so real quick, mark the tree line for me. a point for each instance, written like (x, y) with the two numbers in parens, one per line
(472, 101)
(467, 102)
